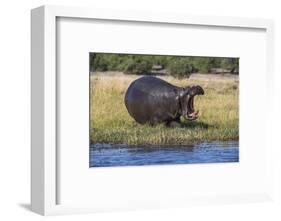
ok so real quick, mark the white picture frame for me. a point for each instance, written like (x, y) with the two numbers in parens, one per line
(45, 87)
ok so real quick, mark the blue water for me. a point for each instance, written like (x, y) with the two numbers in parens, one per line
(109, 155)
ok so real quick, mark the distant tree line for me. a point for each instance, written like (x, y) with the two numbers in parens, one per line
(177, 66)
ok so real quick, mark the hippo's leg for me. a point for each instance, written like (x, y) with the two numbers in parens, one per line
(174, 123)
(159, 117)
(155, 120)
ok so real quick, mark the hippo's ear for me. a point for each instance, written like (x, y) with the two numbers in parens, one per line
(177, 94)
(184, 91)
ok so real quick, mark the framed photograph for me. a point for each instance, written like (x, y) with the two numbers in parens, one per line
(136, 110)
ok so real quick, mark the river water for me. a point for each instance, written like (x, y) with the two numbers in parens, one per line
(109, 155)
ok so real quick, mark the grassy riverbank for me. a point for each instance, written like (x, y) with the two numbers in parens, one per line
(111, 123)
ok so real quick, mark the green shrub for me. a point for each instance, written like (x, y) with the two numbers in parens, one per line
(177, 66)
(180, 68)
(140, 67)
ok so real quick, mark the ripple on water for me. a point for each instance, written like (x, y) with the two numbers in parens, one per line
(108, 155)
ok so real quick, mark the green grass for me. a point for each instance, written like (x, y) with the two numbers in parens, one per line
(111, 123)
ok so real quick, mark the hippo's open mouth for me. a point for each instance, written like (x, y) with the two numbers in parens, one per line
(192, 114)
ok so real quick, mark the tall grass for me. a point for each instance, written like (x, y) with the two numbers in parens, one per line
(111, 123)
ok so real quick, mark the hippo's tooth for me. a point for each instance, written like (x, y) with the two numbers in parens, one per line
(193, 114)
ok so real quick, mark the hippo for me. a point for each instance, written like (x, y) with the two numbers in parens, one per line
(152, 100)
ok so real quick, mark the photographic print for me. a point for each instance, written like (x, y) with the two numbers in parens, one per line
(163, 110)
